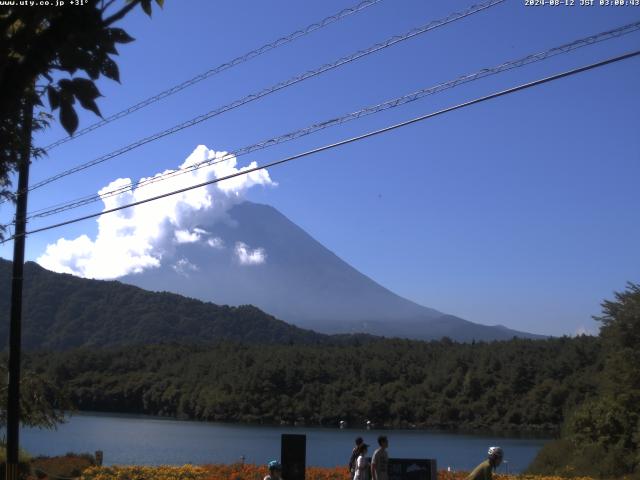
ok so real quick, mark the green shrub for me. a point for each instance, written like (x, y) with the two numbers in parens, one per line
(563, 458)
(552, 459)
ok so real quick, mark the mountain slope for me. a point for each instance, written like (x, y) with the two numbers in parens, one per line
(299, 281)
(62, 311)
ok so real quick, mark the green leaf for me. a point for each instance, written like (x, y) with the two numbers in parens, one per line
(68, 117)
(67, 92)
(84, 88)
(90, 104)
(109, 47)
(120, 36)
(70, 58)
(160, 3)
(86, 92)
(93, 71)
(66, 88)
(146, 6)
(109, 69)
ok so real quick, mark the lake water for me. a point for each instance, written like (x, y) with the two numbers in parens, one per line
(129, 440)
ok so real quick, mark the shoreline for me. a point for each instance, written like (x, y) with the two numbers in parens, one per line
(523, 433)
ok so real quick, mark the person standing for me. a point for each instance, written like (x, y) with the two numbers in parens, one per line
(275, 470)
(360, 470)
(380, 460)
(484, 471)
(354, 455)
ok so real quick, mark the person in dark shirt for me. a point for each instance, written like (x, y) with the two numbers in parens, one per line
(354, 455)
(484, 471)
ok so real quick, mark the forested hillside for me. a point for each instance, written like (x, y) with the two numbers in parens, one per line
(520, 384)
(62, 311)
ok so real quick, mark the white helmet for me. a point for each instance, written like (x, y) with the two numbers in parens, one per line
(495, 452)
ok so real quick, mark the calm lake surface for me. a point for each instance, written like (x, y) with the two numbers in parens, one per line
(129, 440)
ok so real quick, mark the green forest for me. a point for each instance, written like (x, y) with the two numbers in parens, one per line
(520, 384)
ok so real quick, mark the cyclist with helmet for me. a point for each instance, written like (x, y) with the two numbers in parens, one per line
(275, 470)
(484, 471)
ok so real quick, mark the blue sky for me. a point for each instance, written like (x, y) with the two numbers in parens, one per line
(522, 211)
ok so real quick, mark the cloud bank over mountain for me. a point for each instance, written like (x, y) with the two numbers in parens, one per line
(136, 239)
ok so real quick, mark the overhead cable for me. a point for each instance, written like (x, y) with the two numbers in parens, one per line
(274, 88)
(220, 68)
(346, 141)
(372, 109)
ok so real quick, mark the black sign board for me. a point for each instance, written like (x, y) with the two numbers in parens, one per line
(293, 454)
(412, 469)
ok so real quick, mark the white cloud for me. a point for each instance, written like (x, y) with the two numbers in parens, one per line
(215, 242)
(246, 256)
(184, 266)
(135, 239)
(185, 236)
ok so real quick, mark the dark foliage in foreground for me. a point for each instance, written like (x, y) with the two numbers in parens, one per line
(40, 43)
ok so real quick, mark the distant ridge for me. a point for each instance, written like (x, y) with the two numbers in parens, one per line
(61, 311)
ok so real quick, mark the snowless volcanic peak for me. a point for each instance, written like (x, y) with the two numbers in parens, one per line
(255, 255)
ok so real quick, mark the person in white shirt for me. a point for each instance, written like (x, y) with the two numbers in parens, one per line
(380, 460)
(362, 463)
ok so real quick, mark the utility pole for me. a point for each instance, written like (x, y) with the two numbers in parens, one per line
(15, 327)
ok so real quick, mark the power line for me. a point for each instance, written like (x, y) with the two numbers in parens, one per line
(220, 68)
(372, 109)
(347, 141)
(274, 88)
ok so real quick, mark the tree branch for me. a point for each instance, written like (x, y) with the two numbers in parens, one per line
(121, 13)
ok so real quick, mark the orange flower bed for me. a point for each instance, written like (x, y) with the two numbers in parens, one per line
(247, 471)
(163, 472)
(445, 475)
(235, 471)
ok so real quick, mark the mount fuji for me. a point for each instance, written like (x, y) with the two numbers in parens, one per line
(258, 256)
